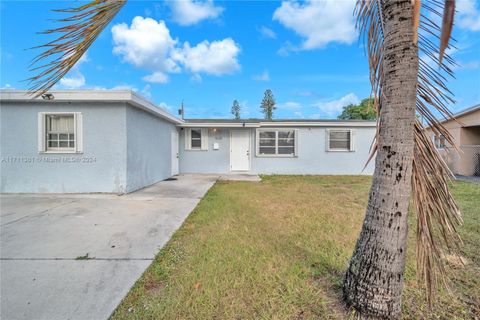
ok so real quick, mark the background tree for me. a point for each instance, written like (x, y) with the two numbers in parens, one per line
(236, 109)
(268, 104)
(406, 162)
(363, 111)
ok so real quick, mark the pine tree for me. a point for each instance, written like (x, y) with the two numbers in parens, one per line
(236, 109)
(268, 104)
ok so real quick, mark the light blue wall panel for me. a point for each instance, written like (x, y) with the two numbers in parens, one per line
(211, 161)
(101, 167)
(148, 149)
(312, 157)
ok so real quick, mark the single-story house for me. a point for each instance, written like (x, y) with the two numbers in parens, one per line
(466, 134)
(117, 142)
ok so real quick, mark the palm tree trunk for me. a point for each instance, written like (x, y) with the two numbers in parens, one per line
(374, 280)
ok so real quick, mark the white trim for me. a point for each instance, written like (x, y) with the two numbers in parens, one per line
(218, 125)
(203, 142)
(277, 124)
(249, 151)
(41, 130)
(319, 124)
(111, 96)
(77, 131)
(78, 118)
(204, 139)
(276, 155)
(327, 140)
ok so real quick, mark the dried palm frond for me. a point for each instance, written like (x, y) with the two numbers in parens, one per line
(436, 210)
(447, 26)
(83, 26)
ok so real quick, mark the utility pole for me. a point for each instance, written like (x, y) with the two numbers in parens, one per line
(181, 111)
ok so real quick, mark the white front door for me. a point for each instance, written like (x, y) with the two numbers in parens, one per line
(174, 151)
(240, 150)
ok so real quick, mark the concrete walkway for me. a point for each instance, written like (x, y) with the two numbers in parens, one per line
(76, 256)
(473, 179)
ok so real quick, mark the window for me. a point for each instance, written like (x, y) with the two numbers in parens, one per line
(60, 132)
(339, 140)
(439, 141)
(276, 143)
(196, 139)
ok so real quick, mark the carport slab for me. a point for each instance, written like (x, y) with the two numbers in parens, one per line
(42, 236)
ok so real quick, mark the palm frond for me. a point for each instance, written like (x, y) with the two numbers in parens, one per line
(437, 212)
(447, 25)
(82, 27)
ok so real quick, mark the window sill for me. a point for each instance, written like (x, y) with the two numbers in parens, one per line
(339, 150)
(276, 156)
(196, 149)
(61, 152)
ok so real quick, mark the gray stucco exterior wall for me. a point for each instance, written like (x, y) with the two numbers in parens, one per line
(149, 148)
(206, 161)
(312, 157)
(100, 168)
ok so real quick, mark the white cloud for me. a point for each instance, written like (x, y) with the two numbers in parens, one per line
(267, 33)
(298, 114)
(196, 78)
(290, 105)
(147, 91)
(125, 87)
(470, 65)
(147, 44)
(156, 77)
(264, 76)
(75, 81)
(334, 107)
(7, 87)
(468, 15)
(319, 22)
(305, 93)
(166, 106)
(189, 12)
(216, 57)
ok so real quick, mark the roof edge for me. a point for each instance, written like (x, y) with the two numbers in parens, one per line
(127, 96)
(273, 124)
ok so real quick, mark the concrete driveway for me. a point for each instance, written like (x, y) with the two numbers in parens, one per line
(45, 237)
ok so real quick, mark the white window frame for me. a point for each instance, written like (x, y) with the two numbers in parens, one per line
(434, 138)
(77, 131)
(276, 154)
(352, 140)
(203, 139)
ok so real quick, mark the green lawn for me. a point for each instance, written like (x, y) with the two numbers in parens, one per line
(278, 250)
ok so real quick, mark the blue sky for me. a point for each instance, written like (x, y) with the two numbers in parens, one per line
(208, 53)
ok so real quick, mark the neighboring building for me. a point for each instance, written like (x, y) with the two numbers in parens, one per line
(118, 142)
(466, 134)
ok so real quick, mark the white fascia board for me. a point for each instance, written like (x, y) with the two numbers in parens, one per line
(127, 96)
(218, 125)
(318, 124)
(148, 106)
(288, 124)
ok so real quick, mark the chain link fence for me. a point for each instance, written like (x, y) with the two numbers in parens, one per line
(470, 160)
